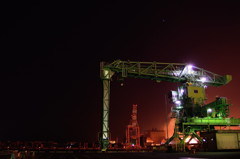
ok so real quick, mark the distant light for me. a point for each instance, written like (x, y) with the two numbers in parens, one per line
(204, 140)
(182, 91)
(132, 145)
(193, 141)
(179, 107)
(209, 110)
(203, 79)
(187, 139)
(178, 102)
(189, 67)
(112, 142)
(174, 93)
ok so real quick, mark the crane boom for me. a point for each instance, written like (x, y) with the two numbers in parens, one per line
(173, 72)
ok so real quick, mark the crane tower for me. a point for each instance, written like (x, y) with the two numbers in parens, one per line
(133, 130)
(189, 108)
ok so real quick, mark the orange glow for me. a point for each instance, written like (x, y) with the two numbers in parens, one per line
(171, 126)
(227, 127)
(149, 140)
(112, 142)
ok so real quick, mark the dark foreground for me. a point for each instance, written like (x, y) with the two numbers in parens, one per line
(133, 155)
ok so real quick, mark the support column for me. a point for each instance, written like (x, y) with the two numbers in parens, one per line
(106, 75)
(105, 115)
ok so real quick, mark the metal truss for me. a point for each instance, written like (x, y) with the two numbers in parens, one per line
(173, 72)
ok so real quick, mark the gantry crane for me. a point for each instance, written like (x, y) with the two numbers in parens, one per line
(133, 130)
(189, 109)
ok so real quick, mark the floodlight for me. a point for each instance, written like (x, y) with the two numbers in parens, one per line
(178, 102)
(209, 110)
(203, 79)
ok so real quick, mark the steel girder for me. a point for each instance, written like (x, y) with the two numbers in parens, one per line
(173, 72)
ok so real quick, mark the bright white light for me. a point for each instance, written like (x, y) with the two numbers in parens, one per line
(133, 145)
(203, 79)
(182, 91)
(209, 110)
(179, 107)
(174, 93)
(189, 67)
(193, 141)
(178, 102)
(187, 139)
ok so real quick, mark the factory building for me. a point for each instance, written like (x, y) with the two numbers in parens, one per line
(154, 136)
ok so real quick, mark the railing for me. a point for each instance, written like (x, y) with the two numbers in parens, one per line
(213, 121)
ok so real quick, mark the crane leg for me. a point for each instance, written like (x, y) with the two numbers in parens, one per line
(105, 115)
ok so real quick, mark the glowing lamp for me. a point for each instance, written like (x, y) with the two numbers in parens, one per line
(209, 110)
(189, 67)
(203, 79)
(178, 102)
(179, 107)
(193, 141)
(182, 91)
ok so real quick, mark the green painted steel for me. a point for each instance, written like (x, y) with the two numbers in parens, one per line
(213, 121)
(173, 72)
(220, 108)
(105, 119)
(106, 75)
(191, 113)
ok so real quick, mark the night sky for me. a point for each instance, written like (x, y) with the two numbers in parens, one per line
(50, 53)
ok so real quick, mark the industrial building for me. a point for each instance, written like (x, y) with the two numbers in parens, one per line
(155, 137)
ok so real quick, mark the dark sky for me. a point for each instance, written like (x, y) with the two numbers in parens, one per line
(50, 53)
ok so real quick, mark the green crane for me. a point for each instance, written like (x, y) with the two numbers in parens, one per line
(190, 94)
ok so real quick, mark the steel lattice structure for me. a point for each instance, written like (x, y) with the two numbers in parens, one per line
(185, 74)
(173, 72)
(133, 131)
